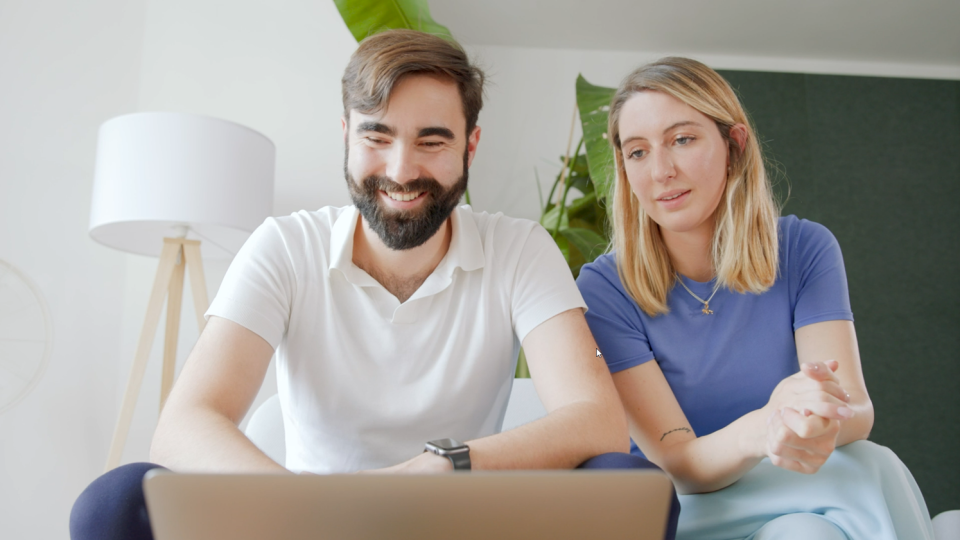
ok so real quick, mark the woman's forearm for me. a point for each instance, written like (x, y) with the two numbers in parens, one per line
(716, 460)
(857, 428)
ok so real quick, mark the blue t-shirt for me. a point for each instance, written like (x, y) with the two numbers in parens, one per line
(724, 365)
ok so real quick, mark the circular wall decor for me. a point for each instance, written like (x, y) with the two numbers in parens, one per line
(26, 335)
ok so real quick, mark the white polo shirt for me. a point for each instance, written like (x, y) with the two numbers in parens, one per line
(364, 380)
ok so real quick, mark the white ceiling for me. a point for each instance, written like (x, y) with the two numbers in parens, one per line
(889, 31)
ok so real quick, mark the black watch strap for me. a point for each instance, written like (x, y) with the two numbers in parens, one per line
(457, 452)
(460, 460)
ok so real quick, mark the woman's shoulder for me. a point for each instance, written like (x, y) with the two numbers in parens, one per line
(600, 276)
(805, 247)
(797, 234)
(603, 267)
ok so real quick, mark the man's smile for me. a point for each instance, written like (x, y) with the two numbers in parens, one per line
(403, 196)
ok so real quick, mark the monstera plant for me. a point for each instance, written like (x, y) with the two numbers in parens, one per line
(578, 223)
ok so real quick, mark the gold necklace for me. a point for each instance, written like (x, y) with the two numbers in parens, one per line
(706, 303)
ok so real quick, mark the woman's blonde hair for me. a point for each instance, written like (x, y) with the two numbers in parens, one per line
(744, 251)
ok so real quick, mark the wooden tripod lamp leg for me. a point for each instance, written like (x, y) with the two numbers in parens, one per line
(198, 282)
(168, 260)
(172, 333)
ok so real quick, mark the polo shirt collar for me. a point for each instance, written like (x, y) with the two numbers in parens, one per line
(465, 251)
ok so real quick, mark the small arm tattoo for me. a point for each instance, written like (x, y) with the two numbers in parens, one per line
(678, 429)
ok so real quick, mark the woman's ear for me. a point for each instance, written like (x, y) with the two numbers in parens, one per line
(739, 134)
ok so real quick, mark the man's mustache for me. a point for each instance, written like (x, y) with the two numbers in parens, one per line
(382, 183)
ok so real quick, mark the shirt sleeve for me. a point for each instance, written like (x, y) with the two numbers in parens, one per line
(613, 316)
(820, 277)
(543, 285)
(259, 286)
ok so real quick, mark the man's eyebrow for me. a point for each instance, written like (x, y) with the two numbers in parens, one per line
(672, 127)
(375, 126)
(437, 131)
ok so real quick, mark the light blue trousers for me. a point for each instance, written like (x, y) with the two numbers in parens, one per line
(863, 492)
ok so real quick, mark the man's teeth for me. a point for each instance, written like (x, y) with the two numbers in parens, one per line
(403, 197)
(672, 198)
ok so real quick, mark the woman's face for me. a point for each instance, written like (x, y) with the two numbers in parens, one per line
(675, 160)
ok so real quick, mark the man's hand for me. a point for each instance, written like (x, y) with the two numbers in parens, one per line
(425, 463)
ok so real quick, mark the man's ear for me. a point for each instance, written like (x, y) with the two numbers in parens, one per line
(345, 125)
(472, 141)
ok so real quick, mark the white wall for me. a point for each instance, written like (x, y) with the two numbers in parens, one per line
(64, 69)
(526, 120)
(272, 65)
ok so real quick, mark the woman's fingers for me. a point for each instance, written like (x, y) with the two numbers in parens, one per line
(793, 465)
(807, 427)
(809, 390)
(789, 449)
(820, 371)
(828, 410)
(828, 387)
(817, 376)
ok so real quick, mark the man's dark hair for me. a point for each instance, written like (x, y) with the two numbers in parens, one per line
(383, 59)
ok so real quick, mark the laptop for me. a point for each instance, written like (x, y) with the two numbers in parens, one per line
(559, 505)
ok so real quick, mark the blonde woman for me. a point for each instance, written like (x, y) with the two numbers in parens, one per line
(728, 329)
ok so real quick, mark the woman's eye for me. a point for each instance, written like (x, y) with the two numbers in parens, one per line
(636, 154)
(684, 140)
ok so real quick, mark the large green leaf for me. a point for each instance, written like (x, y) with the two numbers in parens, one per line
(367, 17)
(590, 244)
(549, 219)
(594, 105)
(579, 176)
(583, 206)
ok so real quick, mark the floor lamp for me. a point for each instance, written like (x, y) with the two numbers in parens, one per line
(167, 184)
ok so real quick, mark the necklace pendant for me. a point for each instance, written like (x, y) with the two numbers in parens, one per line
(706, 309)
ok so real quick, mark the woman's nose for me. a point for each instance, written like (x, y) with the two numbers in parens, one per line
(663, 168)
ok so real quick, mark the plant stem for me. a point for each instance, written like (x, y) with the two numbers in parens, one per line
(566, 189)
(566, 158)
(550, 196)
(466, 195)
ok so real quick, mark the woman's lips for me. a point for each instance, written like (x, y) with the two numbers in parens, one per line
(673, 199)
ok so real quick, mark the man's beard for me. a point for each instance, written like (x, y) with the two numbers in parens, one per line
(405, 229)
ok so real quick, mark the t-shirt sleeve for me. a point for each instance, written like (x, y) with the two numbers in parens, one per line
(821, 280)
(613, 317)
(543, 285)
(259, 286)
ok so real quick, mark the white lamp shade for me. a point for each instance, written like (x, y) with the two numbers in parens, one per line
(159, 171)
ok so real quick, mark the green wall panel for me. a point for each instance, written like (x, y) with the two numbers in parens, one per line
(877, 160)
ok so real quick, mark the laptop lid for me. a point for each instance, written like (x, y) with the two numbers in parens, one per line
(559, 505)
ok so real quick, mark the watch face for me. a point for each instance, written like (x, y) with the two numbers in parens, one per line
(447, 444)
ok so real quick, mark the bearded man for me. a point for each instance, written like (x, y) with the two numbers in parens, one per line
(395, 321)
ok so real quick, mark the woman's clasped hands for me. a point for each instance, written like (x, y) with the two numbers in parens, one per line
(803, 418)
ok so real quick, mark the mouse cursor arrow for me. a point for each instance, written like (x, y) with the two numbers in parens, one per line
(598, 353)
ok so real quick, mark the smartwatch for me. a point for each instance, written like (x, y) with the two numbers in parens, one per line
(457, 452)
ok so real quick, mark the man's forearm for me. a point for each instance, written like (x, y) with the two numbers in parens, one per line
(200, 440)
(563, 439)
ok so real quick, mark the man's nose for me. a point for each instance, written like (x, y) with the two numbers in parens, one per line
(663, 168)
(403, 164)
